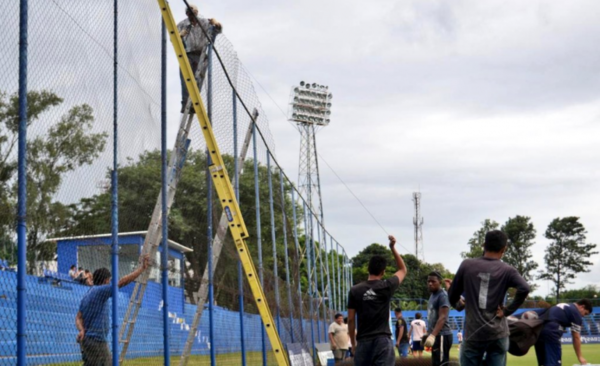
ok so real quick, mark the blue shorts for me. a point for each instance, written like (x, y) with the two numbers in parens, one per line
(548, 348)
(416, 346)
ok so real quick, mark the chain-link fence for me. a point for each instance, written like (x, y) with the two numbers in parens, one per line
(212, 316)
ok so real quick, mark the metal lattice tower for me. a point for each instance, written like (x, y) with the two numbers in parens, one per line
(418, 223)
(310, 110)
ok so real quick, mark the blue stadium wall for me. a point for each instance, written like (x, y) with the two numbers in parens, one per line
(51, 331)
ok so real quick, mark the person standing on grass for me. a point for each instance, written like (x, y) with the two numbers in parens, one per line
(370, 302)
(92, 318)
(440, 335)
(548, 348)
(338, 338)
(401, 334)
(416, 331)
(484, 282)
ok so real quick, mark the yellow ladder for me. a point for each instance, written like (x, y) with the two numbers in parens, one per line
(224, 188)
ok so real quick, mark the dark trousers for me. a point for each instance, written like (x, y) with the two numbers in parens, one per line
(196, 59)
(440, 352)
(472, 352)
(375, 352)
(95, 353)
(548, 348)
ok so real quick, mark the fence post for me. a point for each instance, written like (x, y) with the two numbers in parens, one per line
(236, 188)
(316, 277)
(115, 196)
(274, 242)
(209, 229)
(299, 261)
(307, 249)
(165, 230)
(258, 236)
(323, 284)
(22, 190)
(287, 265)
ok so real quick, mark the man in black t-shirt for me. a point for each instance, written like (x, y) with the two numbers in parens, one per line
(401, 334)
(484, 282)
(370, 302)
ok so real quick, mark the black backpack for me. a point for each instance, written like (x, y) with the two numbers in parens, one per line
(524, 333)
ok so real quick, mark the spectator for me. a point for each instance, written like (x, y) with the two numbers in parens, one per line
(195, 41)
(417, 330)
(73, 273)
(401, 334)
(548, 347)
(338, 337)
(370, 302)
(440, 335)
(92, 318)
(459, 337)
(484, 282)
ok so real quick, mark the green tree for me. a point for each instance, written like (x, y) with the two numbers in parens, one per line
(521, 233)
(568, 253)
(139, 186)
(590, 292)
(67, 144)
(476, 242)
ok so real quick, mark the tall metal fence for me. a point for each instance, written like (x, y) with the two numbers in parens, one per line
(95, 101)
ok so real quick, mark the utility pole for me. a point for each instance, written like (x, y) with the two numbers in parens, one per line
(418, 223)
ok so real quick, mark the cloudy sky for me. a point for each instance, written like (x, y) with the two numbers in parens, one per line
(490, 108)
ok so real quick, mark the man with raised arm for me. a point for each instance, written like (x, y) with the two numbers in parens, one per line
(484, 282)
(369, 301)
(92, 318)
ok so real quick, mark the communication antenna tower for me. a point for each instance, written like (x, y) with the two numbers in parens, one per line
(310, 110)
(418, 223)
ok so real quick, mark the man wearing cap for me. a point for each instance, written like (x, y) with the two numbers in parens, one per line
(193, 31)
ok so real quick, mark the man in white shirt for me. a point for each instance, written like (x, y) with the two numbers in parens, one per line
(338, 337)
(73, 273)
(418, 328)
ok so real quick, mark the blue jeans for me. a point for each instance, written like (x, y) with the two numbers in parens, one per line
(472, 352)
(375, 352)
(403, 349)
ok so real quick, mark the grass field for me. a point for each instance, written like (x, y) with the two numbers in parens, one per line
(590, 351)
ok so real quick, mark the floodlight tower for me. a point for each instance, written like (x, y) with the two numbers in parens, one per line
(418, 223)
(310, 109)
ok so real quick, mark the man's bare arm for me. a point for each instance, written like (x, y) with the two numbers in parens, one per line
(352, 328)
(400, 334)
(80, 326)
(443, 317)
(401, 272)
(126, 280)
(577, 347)
(332, 341)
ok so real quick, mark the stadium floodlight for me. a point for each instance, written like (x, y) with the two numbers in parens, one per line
(311, 104)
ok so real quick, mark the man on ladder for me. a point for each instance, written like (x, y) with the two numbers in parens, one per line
(193, 32)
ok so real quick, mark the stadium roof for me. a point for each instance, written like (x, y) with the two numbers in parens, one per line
(172, 244)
